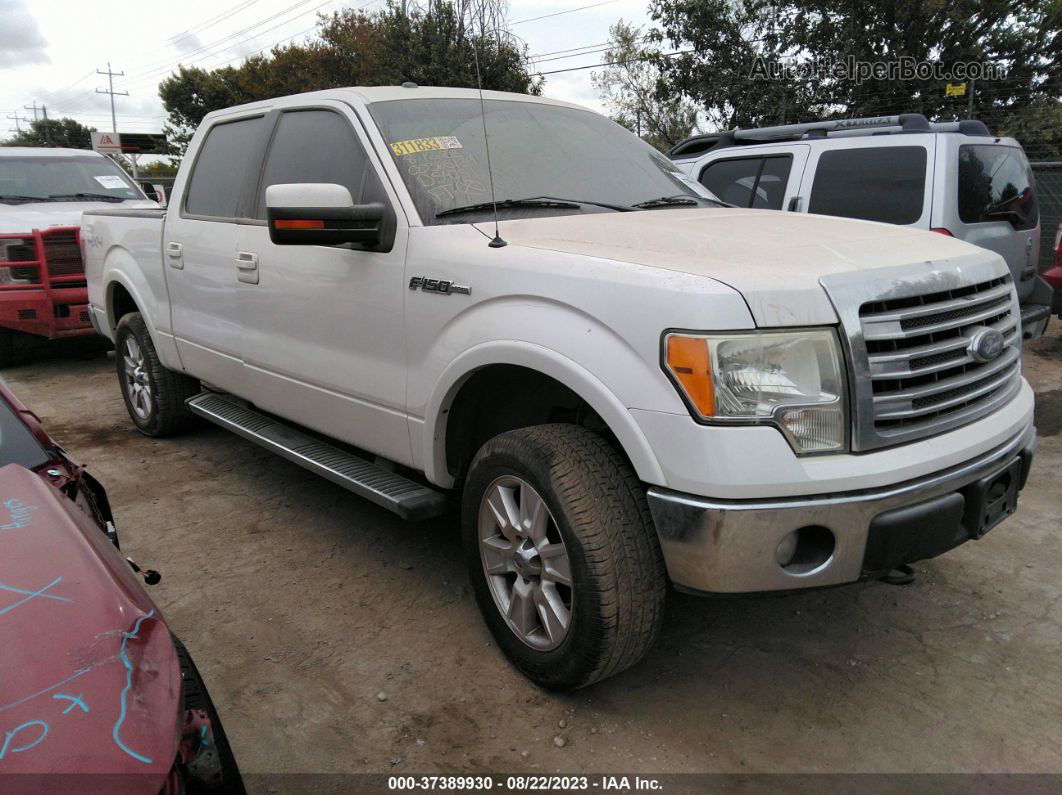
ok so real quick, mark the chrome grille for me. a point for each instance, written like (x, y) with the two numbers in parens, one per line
(921, 373)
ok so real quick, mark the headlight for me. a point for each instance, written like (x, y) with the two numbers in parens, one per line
(14, 249)
(790, 379)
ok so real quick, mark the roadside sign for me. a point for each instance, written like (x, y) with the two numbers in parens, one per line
(109, 143)
(106, 143)
(955, 90)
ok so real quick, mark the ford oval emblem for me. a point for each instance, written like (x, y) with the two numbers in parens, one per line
(986, 345)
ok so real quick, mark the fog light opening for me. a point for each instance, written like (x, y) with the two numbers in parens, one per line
(805, 550)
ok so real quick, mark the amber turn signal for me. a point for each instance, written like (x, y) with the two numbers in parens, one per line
(688, 361)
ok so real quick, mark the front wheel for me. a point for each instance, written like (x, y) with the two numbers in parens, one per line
(154, 395)
(562, 554)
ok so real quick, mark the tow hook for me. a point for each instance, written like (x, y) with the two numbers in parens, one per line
(901, 575)
(151, 577)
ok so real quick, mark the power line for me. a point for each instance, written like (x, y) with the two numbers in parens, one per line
(195, 29)
(559, 13)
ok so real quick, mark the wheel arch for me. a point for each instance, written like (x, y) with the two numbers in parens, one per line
(550, 379)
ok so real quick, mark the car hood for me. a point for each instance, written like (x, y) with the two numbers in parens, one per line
(16, 218)
(89, 678)
(774, 259)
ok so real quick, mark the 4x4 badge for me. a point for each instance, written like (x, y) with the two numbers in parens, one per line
(438, 286)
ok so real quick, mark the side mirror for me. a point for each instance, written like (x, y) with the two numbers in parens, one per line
(321, 214)
(151, 192)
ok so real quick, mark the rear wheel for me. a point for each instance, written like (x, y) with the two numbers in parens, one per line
(562, 554)
(154, 395)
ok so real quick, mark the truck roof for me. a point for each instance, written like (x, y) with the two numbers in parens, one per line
(44, 151)
(370, 94)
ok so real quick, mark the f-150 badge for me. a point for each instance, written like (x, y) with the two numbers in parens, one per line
(439, 286)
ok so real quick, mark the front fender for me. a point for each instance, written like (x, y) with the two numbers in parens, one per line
(548, 362)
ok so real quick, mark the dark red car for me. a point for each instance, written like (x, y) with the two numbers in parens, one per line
(96, 694)
(1053, 275)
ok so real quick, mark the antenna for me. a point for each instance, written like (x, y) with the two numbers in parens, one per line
(497, 242)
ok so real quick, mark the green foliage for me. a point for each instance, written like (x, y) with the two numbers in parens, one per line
(727, 37)
(628, 85)
(54, 132)
(429, 45)
(158, 168)
(1038, 127)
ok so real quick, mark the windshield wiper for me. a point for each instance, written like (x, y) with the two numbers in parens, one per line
(682, 200)
(103, 197)
(548, 202)
(10, 198)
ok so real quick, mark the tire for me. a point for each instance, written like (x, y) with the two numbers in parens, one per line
(7, 347)
(154, 395)
(598, 511)
(196, 697)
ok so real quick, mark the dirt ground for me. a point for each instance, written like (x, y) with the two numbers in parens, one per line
(302, 604)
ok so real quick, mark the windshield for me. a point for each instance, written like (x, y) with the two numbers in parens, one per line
(17, 444)
(29, 178)
(536, 151)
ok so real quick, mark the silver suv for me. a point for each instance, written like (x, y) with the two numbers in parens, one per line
(953, 177)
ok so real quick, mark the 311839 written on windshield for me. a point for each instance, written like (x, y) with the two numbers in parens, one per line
(416, 145)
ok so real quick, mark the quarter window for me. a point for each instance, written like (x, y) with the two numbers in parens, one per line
(879, 183)
(221, 168)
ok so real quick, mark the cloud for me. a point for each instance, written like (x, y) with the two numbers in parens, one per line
(188, 42)
(22, 42)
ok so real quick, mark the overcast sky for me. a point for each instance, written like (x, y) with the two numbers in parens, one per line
(50, 49)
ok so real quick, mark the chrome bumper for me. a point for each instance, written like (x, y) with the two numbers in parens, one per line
(730, 546)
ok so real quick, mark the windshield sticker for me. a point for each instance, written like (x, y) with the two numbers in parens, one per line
(111, 183)
(416, 145)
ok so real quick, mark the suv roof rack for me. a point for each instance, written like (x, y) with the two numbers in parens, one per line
(872, 125)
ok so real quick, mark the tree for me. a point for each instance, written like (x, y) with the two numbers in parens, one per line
(628, 86)
(1038, 127)
(429, 44)
(54, 132)
(728, 51)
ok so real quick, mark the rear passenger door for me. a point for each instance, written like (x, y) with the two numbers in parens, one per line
(322, 326)
(767, 179)
(199, 245)
(873, 178)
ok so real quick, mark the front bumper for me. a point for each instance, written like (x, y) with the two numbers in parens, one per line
(732, 546)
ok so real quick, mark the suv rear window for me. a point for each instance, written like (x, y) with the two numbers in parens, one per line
(749, 181)
(878, 183)
(996, 183)
(221, 168)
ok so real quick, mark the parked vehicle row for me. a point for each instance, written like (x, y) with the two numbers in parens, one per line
(954, 178)
(624, 381)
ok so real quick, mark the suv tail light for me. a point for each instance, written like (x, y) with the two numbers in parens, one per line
(940, 230)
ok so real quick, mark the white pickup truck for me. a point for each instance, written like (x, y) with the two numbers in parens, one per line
(626, 383)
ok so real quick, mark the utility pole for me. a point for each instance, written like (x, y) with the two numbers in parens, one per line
(970, 99)
(110, 90)
(32, 107)
(47, 127)
(17, 119)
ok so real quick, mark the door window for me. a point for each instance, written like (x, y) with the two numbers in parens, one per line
(318, 146)
(873, 183)
(221, 169)
(749, 181)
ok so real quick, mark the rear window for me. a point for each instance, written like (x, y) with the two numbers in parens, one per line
(881, 183)
(222, 167)
(749, 181)
(996, 183)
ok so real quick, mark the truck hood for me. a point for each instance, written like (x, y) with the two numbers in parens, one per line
(774, 259)
(90, 681)
(16, 218)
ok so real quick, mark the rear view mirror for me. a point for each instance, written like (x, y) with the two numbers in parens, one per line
(321, 214)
